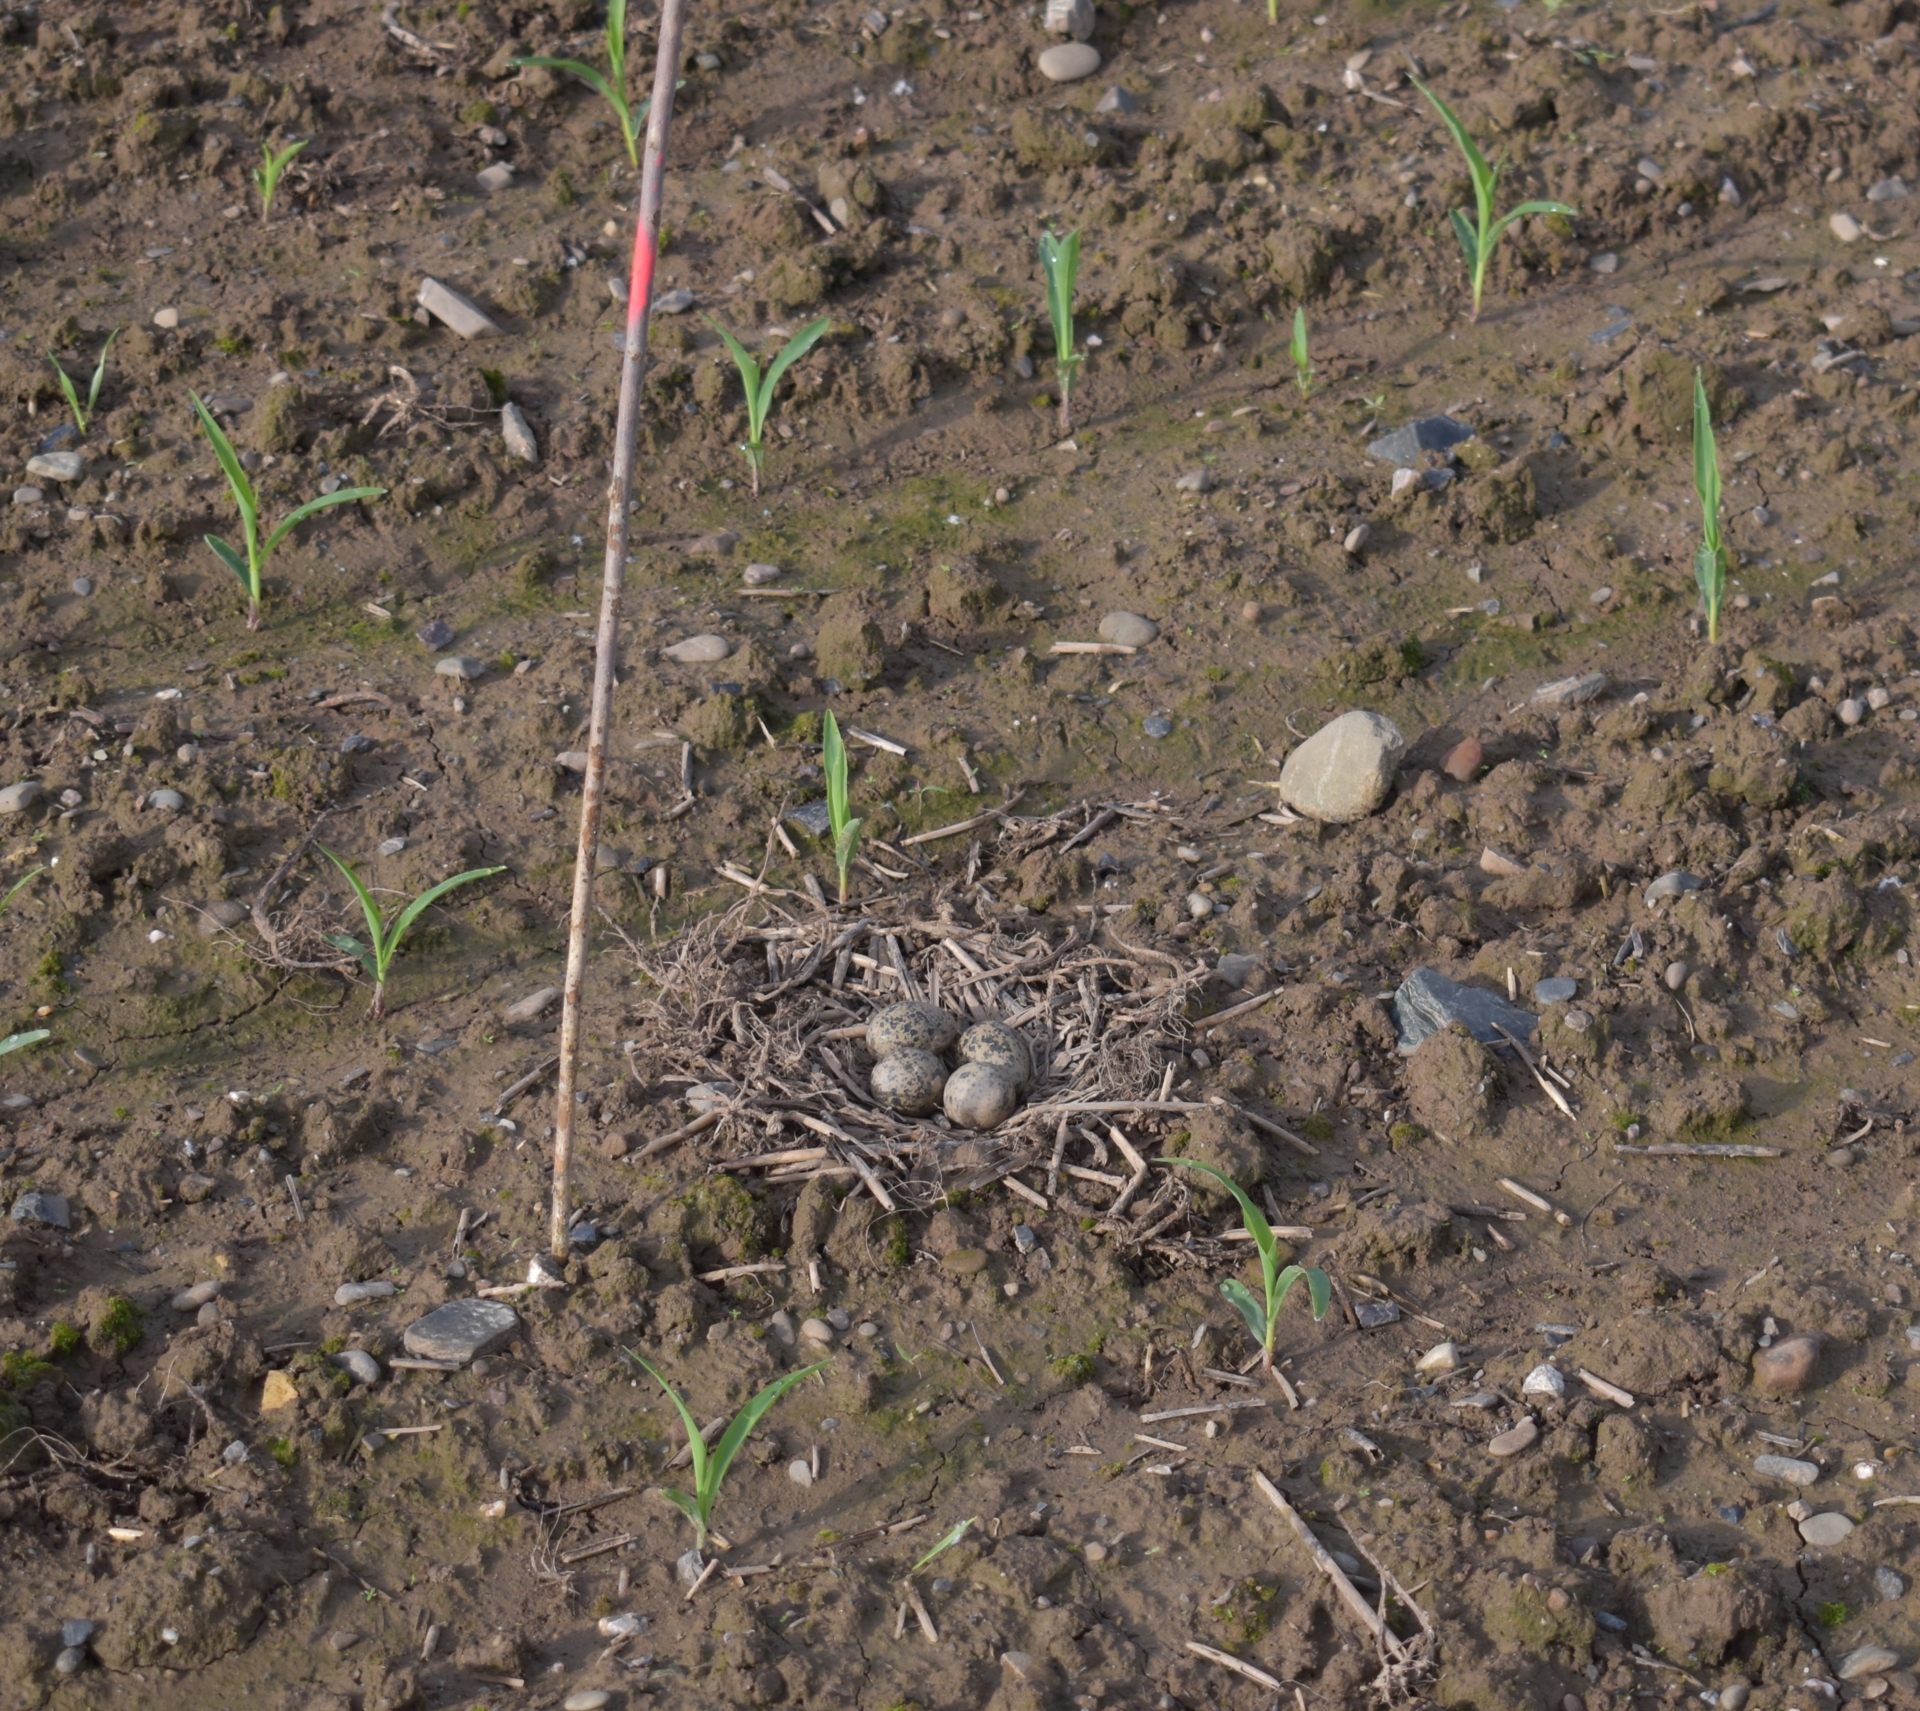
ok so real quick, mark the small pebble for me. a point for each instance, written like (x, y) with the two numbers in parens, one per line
(191, 1300)
(866, 1328)
(1852, 711)
(1250, 612)
(1676, 975)
(1515, 1439)
(1128, 629)
(1826, 1530)
(71, 1661)
(699, 650)
(1186, 852)
(1463, 760)
(1878, 697)
(83, 585)
(587, 1699)
(1094, 1551)
(363, 1368)
(1199, 905)
(1888, 1584)
(816, 1330)
(759, 575)
(800, 1471)
(352, 1294)
(781, 1324)
(839, 1318)
(1557, 990)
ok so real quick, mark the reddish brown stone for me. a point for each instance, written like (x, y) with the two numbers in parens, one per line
(1464, 761)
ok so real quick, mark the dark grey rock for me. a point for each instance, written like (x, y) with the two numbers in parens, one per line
(435, 635)
(1428, 1001)
(1373, 1314)
(462, 1331)
(1405, 447)
(356, 745)
(76, 1631)
(83, 585)
(1116, 100)
(37, 1206)
(1558, 990)
(812, 817)
(1157, 727)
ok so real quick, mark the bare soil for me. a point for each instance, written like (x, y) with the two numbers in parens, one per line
(935, 538)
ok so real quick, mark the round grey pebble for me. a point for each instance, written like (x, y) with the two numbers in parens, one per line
(919, 1027)
(191, 1300)
(1199, 905)
(1558, 990)
(187, 753)
(83, 585)
(76, 1631)
(167, 801)
(1888, 1584)
(1878, 697)
(980, 1096)
(363, 1368)
(461, 666)
(1852, 711)
(70, 1661)
(1069, 62)
(1676, 975)
(909, 1081)
(1157, 727)
(1128, 629)
(996, 1043)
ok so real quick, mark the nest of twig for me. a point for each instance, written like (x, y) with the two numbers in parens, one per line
(760, 1017)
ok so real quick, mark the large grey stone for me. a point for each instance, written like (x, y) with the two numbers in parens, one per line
(1866, 1660)
(462, 314)
(18, 798)
(361, 1365)
(1827, 1530)
(460, 665)
(462, 1331)
(57, 466)
(1428, 1001)
(1070, 18)
(1345, 770)
(1404, 447)
(1128, 629)
(1069, 62)
(37, 1206)
(699, 650)
(1787, 1468)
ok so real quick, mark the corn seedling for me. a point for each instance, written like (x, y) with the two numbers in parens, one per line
(387, 932)
(1481, 237)
(248, 569)
(1263, 1317)
(1710, 557)
(1302, 356)
(845, 828)
(266, 176)
(1060, 266)
(953, 1538)
(613, 86)
(710, 1465)
(83, 413)
(759, 387)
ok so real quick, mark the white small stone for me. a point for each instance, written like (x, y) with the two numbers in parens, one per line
(1439, 1360)
(587, 1699)
(1846, 228)
(1877, 697)
(1404, 478)
(166, 319)
(498, 176)
(1356, 541)
(1069, 62)
(57, 466)
(1199, 905)
(699, 650)
(521, 445)
(1852, 711)
(1544, 1380)
(462, 314)
(167, 801)
(759, 575)
(359, 1365)
(800, 1471)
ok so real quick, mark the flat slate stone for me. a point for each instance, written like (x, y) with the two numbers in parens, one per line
(1669, 886)
(1571, 691)
(56, 466)
(462, 1331)
(812, 817)
(1558, 990)
(37, 1206)
(1428, 1001)
(1404, 447)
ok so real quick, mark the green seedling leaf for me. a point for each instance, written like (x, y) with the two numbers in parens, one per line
(759, 387)
(14, 1042)
(266, 176)
(1060, 268)
(1481, 236)
(384, 937)
(840, 819)
(1263, 1322)
(953, 1538)
(710, 1465)
(20, 885)
(83, 413)
(1302, 354)
(611, 88)
(247, 502)
(1710, 558)
(1250, 1310)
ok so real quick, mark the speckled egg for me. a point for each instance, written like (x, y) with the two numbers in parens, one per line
(981, 1096)
(909, 1081)
(916, 1027)
(997, 1044)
